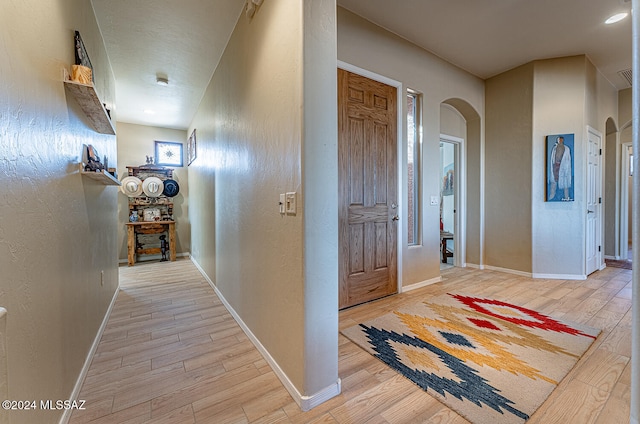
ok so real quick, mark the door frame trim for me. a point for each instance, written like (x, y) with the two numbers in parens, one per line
(460, 191)
(624, 201)
(401, 152)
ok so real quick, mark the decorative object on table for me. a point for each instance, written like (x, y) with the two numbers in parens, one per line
(168, 153)
(131, 186)
(171, 188)
(164, 247)
(191, 148)
(149, 160)
(560, 167)
(134, 216)
(151, 215)
(152, 186)
(83, 66)
(490, 361)
(93, 160)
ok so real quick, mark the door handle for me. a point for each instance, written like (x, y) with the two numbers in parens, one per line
(395, 218)
(589, 211)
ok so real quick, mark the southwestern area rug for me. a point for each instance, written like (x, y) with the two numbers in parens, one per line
(488, 360)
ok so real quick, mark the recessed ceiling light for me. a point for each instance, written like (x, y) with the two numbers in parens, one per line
(616, 18)
(149, 112)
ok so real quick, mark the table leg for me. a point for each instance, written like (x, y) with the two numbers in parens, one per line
(131, 245)
(172, 241)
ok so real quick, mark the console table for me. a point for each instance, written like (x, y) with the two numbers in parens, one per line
(150, 227)
(444, 236)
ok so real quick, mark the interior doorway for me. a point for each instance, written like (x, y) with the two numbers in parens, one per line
(450, 201)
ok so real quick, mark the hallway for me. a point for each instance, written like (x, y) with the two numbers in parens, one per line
(171, 353)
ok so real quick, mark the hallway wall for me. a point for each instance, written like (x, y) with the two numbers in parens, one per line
(508, 150)
(267, 125)
(58, 252)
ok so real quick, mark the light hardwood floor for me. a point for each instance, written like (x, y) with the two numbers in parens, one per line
(171, 353)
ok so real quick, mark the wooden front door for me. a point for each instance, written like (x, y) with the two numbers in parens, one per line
(367, 160)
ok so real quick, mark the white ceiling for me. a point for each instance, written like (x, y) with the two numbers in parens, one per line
(180, 39)
(184, 41)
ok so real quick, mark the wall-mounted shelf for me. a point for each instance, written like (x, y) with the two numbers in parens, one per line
(102, 176)
(88, 100)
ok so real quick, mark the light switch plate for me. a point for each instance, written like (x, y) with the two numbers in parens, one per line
(290, 202)
(282, 202)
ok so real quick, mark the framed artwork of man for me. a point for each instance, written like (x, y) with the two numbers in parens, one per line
(559, 160)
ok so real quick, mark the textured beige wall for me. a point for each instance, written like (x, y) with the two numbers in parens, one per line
(613, 176)
(439, 81)
(452, 122)
(555, 96)
(624, 108)
(4, 389)
(251, 145)
(625, 111)
(509, 108)
(57, 228)
(135, 142)
(320, 190)
(475, 138)
(612, 180)
(560, 106)
(569, 95)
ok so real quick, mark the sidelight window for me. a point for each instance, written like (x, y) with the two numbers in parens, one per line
(414, 142)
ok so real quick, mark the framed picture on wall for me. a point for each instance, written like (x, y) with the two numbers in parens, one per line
(448, 180)
(191, 148)
(560, 167)
(168, 153)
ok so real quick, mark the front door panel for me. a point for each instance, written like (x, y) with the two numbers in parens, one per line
(367, 189)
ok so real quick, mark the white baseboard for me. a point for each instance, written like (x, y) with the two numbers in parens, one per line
(560, 276)
(530, 274)
(304, 402)
(64, 419)
(508, 271)
(420, 284)
(474, 266)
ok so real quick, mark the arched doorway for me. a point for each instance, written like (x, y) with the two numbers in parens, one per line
(460, 131)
